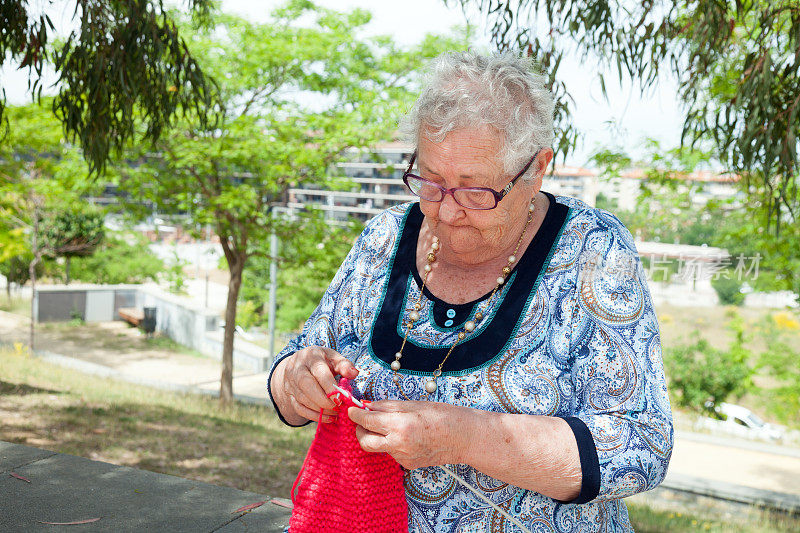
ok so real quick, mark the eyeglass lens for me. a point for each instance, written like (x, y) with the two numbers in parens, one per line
(470, 198)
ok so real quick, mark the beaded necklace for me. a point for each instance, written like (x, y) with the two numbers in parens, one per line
(469, 325)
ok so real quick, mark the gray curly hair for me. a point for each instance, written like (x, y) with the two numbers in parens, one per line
(502, 91)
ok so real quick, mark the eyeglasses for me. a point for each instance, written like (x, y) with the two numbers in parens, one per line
(481, 198)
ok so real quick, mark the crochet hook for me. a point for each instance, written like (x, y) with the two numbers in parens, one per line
(346, 394)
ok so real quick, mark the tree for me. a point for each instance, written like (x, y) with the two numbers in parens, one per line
(296, 92)
(40, 175)
(16, 270)
(73, 231)
(737, 64)
(124, 65)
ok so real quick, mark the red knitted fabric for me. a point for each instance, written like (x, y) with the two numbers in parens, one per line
(342, 488)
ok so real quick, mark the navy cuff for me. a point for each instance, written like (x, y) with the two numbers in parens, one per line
(269, 391)
(590, 465)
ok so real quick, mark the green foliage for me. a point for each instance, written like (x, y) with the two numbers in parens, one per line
(612, 162)
(318, 255)
(701, 375)
(746, 234)
(608, 204)
(247, 314)
(688, 515)
(72, 231)
(12, 237)
(124, 64)
(121, 258)
(174, 275)
(15, 269)
(729, 290)
(308, 262)
(42, 180)
(665, 208)
(782, 362)
(766, 259)
(736, 65)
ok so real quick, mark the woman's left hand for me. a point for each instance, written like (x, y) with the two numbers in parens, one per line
(415, 434)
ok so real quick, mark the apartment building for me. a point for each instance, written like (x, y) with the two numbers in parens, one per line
(376, 183)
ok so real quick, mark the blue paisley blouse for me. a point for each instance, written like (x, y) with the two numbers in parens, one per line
(572, 334)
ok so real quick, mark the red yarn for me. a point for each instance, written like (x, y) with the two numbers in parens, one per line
(342, 488)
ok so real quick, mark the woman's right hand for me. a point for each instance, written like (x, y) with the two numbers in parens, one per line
(303, 381)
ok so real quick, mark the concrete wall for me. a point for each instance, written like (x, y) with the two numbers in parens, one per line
(246, 355)
(176, 318)
(90, 303)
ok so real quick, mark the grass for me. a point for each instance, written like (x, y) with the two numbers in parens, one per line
(646, 519)
(17, 304)
(101, 336)
(677, 324)
(244, 447)
(162, 342)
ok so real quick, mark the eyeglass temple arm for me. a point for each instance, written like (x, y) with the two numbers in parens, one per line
(411, 162)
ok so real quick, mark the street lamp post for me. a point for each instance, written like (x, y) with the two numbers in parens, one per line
(273, 288)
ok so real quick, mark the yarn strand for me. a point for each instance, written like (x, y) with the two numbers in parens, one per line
(485, 499)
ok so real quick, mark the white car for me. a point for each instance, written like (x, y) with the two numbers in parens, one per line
(741, 422)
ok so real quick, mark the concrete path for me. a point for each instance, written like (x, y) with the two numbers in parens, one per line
(63, 488)
(726, 468)
(758, 465)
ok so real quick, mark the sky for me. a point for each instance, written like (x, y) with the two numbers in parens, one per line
(624, 121)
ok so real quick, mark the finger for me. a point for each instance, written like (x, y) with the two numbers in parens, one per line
(308, 413)
(310, 383)
(345, 368)
(303, 399)
(339, 364)
(391, 406)
(371, 421)
(324, 383)
(369, 441)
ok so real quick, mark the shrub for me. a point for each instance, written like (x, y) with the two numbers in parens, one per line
(247, 314)
(729, 290)
(781, 361)
(174, 276)
(702, 376)
(119, 259)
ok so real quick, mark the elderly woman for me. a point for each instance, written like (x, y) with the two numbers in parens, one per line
(499, 329)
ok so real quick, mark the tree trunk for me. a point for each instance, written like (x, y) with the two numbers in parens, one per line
(67, 269)
(32, 274)
(226, 381)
